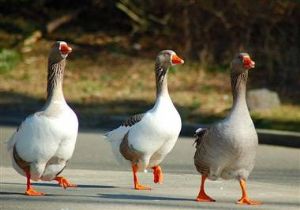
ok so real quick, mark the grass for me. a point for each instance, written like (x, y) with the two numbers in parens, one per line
(102, 83)
(8, 60)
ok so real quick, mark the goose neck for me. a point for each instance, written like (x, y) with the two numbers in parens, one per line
(55, 81)
(238, 86)
(161, 81)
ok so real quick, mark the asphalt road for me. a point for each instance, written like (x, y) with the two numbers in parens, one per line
(103, 184)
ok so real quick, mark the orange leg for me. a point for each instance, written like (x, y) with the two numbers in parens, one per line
(29, 190)
(158, 175)
(245, 199)
(137, 186)
(202, 196)
(63, 182)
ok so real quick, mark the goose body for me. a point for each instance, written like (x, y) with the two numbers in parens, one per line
(227, 149)
(145, 139)
(45, 140)
(154, 135)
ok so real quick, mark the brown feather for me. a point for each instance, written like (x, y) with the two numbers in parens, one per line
(20, 162)
(201, 166)
(128, 152)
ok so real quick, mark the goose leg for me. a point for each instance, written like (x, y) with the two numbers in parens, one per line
(245, 199)
(158, 175)
(137, 185)
(29, 190)
(202, 196)
(63, 182)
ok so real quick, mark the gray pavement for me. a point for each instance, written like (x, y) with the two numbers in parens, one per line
(103, 184)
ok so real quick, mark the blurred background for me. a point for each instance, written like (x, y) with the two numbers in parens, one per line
(110, 76)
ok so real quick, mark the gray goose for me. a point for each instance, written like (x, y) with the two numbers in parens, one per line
(227, 149)
(45, 140)
(145, 139)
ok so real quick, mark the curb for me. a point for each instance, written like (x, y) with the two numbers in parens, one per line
(280, 138)
(265, 136)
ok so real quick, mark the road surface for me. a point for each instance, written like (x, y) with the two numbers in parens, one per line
(103, 184)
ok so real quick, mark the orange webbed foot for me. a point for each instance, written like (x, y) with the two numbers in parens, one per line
(33, 192)
(203, 197)
(158, 175)
(244, 199)
(141, 187)
(247, 201)
(137, 185)
(63, 182)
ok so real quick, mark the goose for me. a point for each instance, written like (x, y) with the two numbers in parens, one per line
(45, 140)
(145, 139)
(227, 148)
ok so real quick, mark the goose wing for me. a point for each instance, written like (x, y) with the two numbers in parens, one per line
(133, 120)
(199, 161)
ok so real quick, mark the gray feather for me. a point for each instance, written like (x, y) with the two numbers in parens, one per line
(133, 120)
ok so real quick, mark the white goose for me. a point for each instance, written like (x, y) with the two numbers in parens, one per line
(227, 149)
(145, 139)
(45, 141)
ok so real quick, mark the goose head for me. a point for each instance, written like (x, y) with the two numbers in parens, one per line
(242, 63)
(59, 51)
(167, 58)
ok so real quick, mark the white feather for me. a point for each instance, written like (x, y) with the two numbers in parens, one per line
(199, 130)
(156, 133)
(115, 138)
(41, 137)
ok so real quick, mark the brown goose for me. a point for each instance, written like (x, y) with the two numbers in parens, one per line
(144, 140)
(227, 149)
(45, 140)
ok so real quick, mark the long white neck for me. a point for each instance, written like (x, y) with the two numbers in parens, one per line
(161, 81)
(163, 101)
(55, 82)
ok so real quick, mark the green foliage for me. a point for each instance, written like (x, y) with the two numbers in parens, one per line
(218, 68)
(211, 32)
(195, 104)
(206, 32)
(172, 70)
(8, 60)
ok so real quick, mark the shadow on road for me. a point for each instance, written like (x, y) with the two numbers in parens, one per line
(56, 185)
(141, 197)
(11, 193)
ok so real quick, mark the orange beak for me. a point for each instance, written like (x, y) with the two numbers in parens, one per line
(176, 60)
(65, 49)
(248, 63)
